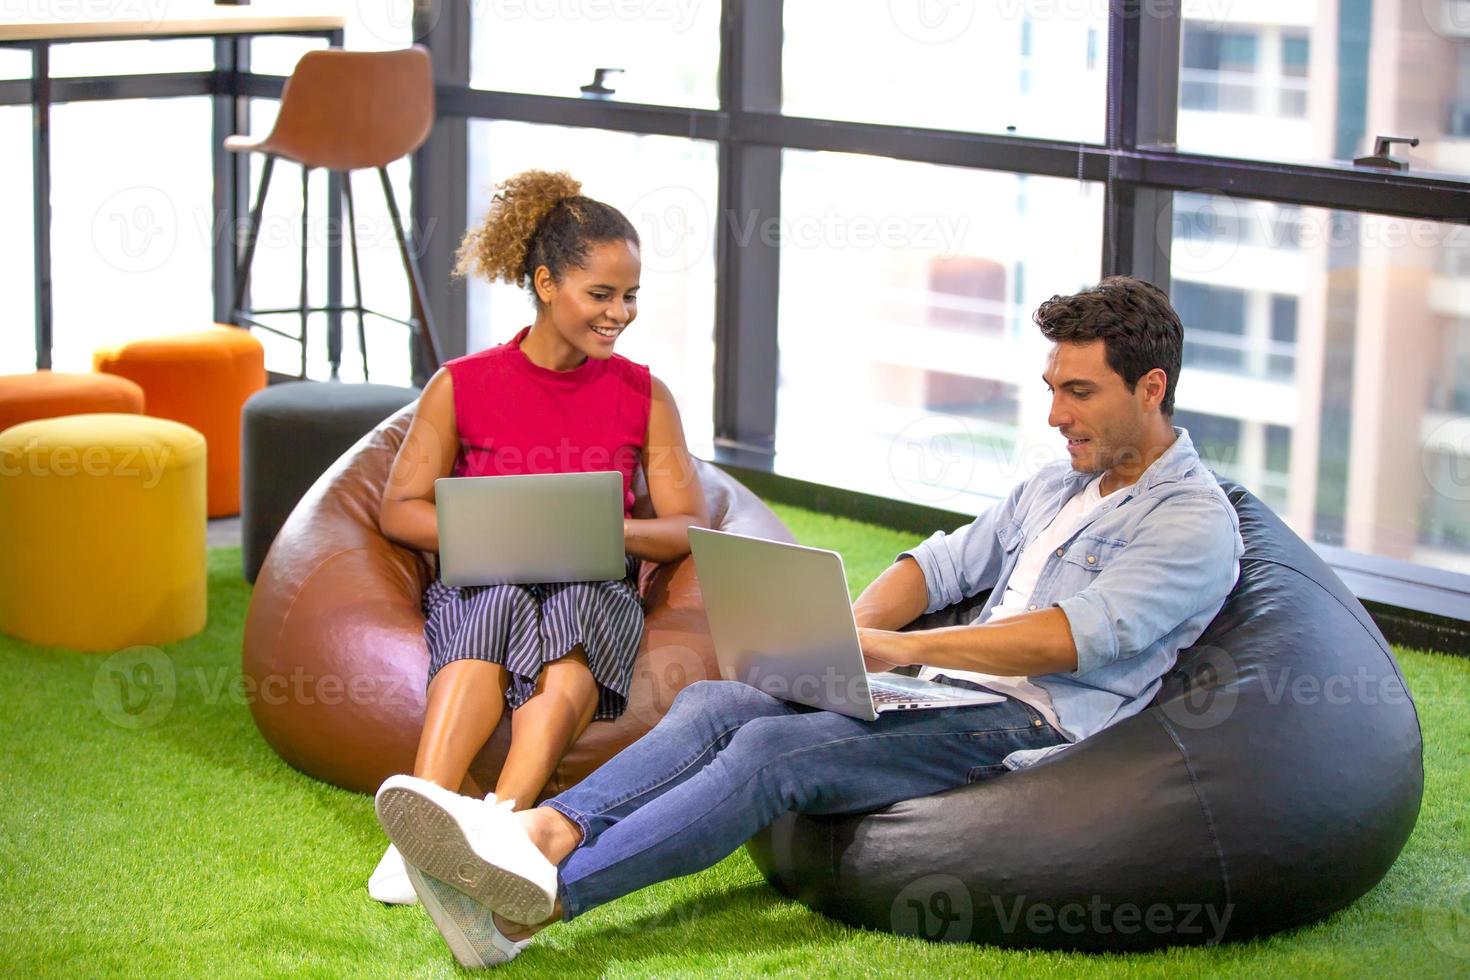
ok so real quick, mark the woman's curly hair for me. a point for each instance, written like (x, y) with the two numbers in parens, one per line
(538, 218)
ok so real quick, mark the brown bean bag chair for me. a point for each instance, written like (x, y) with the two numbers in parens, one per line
(335, 661)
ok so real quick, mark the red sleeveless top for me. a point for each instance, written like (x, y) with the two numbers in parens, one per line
(515, 416)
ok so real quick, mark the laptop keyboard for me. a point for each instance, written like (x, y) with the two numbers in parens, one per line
(883, 694)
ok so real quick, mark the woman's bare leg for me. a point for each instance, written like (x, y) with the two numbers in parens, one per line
(465, 701)
(546, 725)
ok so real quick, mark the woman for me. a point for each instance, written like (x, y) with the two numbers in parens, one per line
(552, 399)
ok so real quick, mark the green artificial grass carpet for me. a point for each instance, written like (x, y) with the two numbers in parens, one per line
(154, 834)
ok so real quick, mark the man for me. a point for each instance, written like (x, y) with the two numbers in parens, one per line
(1101, 568)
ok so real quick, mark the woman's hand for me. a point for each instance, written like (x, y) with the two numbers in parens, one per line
(673, 487)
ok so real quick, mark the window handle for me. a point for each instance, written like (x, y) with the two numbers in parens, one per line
(1381, 158)
(598, 88)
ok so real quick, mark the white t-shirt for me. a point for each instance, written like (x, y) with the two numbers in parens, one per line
(1017, 599)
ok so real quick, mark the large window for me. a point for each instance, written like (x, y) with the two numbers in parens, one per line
(665, 52)
(14, 63)
(132, 207)
(131, 57)
(17, 271)
(910, 366)
(1319, 79)
(1028, 68)
(275, 277)
(132, 236)
(1341, 352)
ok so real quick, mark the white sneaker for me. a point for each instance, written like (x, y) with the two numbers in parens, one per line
(466, 925)
(476, 846)
(389, 882)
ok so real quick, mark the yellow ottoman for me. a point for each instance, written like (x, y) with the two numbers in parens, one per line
(102, 521)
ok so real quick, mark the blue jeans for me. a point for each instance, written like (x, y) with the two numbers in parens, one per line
(728, 759)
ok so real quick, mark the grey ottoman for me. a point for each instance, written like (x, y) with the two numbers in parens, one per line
(289, 434)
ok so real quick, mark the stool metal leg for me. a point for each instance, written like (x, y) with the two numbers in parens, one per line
(242, 272)
(305, 181)
(334, 272)
(356, 273)
(427, 339)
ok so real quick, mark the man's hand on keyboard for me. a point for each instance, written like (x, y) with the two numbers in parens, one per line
(883, 649)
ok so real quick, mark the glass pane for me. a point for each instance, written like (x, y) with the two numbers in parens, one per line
(275, 278)
(667, 188)
(668, 50)
(377, 26)
(278, 55)
(1030, 67)
(131, 57)
(130, 240)
(1319, 79)
(910, 366)
(17, 269)
(15, 63)
(1327, 368)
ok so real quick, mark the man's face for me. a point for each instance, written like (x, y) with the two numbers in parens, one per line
(1091, 406)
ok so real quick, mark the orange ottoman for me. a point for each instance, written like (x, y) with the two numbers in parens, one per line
(201, 379)
(49, 394)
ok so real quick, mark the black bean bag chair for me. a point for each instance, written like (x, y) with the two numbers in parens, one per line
(1273, 780)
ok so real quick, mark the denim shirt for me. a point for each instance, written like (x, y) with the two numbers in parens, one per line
(1139, 579)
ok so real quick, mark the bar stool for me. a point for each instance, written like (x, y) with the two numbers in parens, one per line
(344, 111)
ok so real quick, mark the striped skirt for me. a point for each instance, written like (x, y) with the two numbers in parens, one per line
(522, 627)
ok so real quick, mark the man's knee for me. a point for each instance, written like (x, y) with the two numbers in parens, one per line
(769, 748)
(764, 739)
(730, 701)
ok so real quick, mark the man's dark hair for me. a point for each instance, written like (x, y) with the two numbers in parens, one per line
(1139, 329)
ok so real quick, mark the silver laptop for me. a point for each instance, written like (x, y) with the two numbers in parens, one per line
(782, 622)
(515, 530)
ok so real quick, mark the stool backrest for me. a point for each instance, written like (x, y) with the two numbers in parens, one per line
(345, 110)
